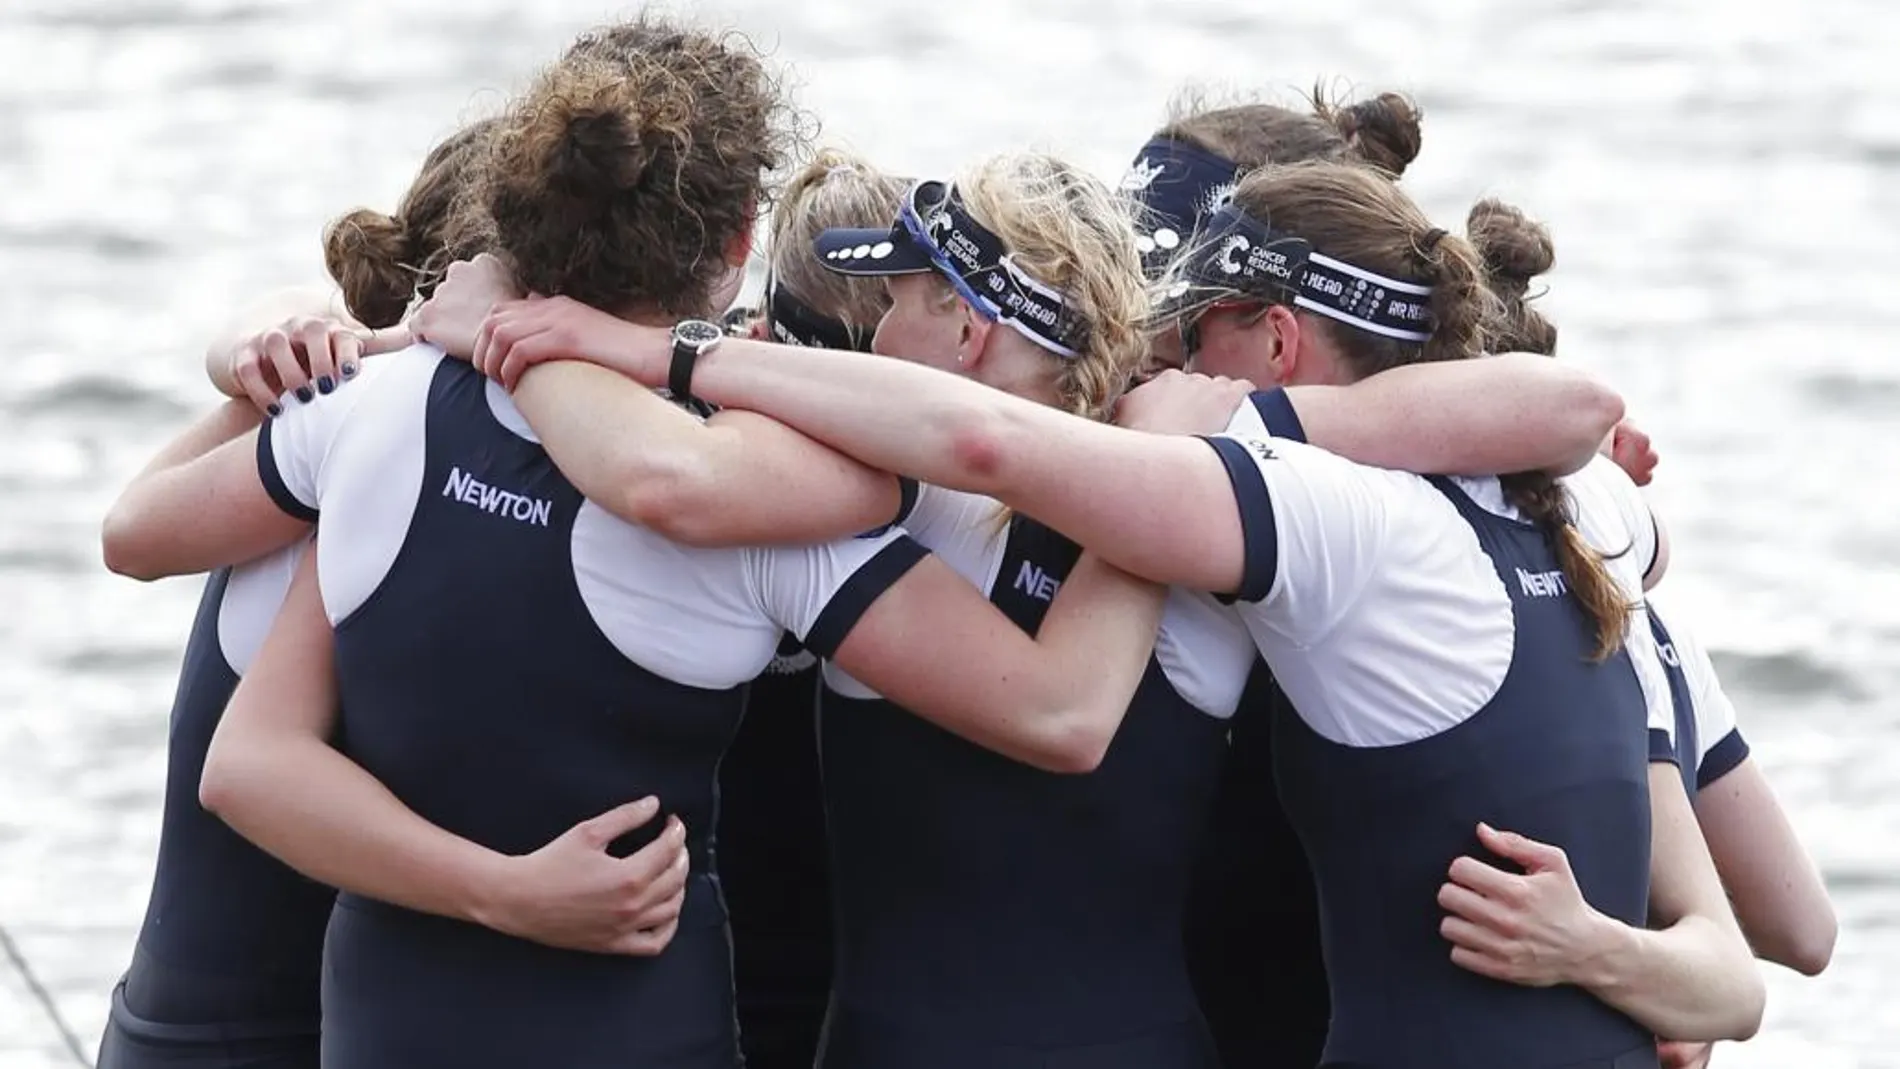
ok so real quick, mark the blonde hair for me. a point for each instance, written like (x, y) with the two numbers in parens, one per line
(836, 189)
(1068, 231)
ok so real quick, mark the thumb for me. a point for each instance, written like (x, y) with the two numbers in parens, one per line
(619, 820)
(1533, 855)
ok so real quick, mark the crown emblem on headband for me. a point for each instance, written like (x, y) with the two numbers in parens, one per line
(1141, 176)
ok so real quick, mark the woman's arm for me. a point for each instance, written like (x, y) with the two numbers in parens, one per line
(735, 479)
(933, 644)
(1691, 979)
(1515, 412)
(158, 526)
(1120, 493)
(272, 775)
(1777, 893)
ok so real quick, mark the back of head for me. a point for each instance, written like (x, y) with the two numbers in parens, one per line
(837, 189)
(630, 170)
(1515, 250)
(1384, 131)
(1357, 215)
(1072, 233)
(380, 261)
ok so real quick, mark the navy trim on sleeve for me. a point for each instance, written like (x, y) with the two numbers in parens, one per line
(1257, 529)
(906, 504)
(274, 481)
(1721, 759)
(859, 592)
(1662, 748)
(1277, 412)
(1655, 547)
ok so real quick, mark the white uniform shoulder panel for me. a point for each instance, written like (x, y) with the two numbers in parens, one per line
(253, 594)
(370, 479)
(1385, 622)
(1614, 519)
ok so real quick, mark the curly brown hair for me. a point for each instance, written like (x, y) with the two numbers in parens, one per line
(630, 170)
(1385, 131)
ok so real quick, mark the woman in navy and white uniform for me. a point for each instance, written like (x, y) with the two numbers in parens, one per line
(1452, 649)
(225, 971)
(471, 585)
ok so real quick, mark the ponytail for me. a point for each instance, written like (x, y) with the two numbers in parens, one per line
(1545, 502)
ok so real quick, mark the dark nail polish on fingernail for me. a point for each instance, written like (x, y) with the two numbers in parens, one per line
(349, 371)
(326, 384)
(304, 394)
(274, 409)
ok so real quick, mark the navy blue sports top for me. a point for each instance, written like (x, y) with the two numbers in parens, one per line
(513, 660)
(1707, 740)
(1436, 675)
(228, 956)
(989, 913)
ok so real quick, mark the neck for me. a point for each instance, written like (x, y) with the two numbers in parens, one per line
(1018, 366)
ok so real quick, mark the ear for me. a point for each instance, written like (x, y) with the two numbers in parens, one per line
(973, 337)
(1280, 336)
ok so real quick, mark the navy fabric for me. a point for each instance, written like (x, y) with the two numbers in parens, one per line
(232, 941)
(773, 865)
(1558, 754)
(1721, 759)
(1257, 525)
(132, 1042)
(487, 699)
(1682, 700)
(1253, 921)
(992, 914)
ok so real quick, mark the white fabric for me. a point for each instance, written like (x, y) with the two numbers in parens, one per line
(703, 617)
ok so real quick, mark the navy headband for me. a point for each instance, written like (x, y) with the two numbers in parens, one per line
(794, 322)
(1239, 254)
(1178, 185)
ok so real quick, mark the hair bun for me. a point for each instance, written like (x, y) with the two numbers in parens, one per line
(1387, 131)
(1515, 247)
(368, 254)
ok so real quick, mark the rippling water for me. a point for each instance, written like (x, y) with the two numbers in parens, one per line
(1724, 186)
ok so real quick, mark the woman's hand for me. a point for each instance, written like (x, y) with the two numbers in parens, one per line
(453, 314)
(1177, 402)
(303, 356)
(571, 893)
(520, 334)
(1633, 452)
(1533, 929)
(1676, 1054)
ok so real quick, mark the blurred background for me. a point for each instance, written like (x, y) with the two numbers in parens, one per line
(1723, 183)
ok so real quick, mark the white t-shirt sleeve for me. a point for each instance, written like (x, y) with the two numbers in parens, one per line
(818, 593)
(1719, 742)
(293, 448)
(1315, 525)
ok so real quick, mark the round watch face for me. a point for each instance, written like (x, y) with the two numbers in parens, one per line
(697, 332)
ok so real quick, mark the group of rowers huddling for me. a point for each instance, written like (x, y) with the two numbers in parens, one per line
(1064, 627)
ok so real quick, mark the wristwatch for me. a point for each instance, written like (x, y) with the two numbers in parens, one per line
(692, 338)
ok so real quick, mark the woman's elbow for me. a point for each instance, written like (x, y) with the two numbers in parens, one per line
(1593, 411)
(221, 784)
(674, 503)
(124, 547)
(1749, 1008)
(1809, 949)
(1077, 749)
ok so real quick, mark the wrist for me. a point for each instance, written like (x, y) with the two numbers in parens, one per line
(488, 889)
(1599, 960)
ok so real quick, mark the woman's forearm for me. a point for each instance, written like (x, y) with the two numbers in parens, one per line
(148, 505)
(736, 479)
(1682, 982)
(1515, 412)
(323, 815)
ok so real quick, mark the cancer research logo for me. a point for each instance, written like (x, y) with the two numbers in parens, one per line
(1141, 176)
(939, 226)
(1229, 255)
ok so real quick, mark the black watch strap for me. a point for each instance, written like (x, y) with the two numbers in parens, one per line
(679, 376)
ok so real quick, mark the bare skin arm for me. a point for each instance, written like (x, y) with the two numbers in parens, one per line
(272, 774)
(1691, 978)
(1783, 906)
(735, 479)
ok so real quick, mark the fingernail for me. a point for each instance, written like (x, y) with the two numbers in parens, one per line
(304, 394)
(274, 409)
(326, 384)
(349, 371)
